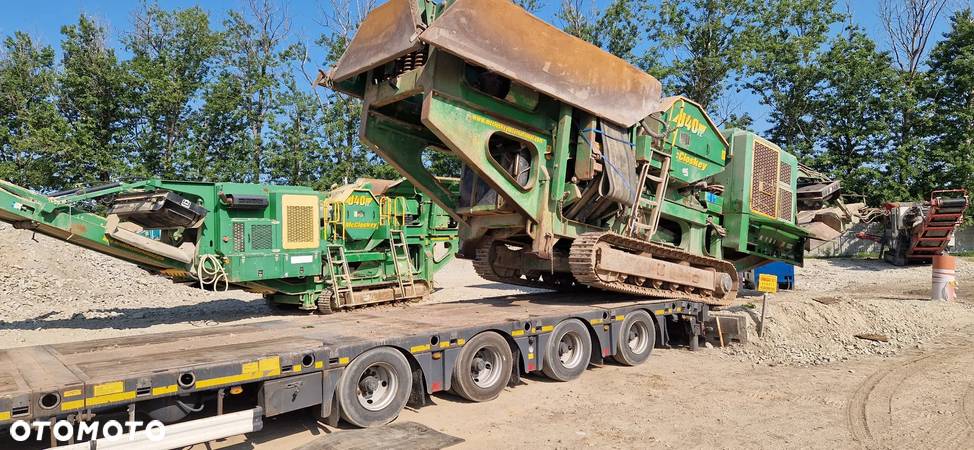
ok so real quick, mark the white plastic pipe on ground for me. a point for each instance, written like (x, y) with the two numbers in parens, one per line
(182, 434)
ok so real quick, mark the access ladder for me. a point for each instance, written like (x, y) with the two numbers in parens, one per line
(400, 256)
(340, 275)
(659, 177)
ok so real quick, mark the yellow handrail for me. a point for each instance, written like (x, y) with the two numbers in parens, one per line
(336, 217)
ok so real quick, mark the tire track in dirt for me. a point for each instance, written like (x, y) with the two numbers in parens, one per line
(945, 417)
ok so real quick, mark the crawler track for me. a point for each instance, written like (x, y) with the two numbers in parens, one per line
(483, 265)
(584, 260)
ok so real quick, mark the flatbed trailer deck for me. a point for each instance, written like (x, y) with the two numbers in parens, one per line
(298, 362)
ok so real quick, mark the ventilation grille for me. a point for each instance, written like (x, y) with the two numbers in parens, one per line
(238, 237)
(300, 224)
(764, 184)
(784, 204)
(261, 237)
(784, 193)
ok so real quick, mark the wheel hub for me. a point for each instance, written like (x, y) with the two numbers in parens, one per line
(483, 367)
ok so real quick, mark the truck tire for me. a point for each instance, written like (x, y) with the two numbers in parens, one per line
(483, 368)
(374, 388)
(568, 351)
(638, 337)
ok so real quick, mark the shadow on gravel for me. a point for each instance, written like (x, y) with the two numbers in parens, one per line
(871, 265)
(200, 314)
(505, 287)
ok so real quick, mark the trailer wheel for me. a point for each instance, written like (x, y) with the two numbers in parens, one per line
(483, 368)
(638, 337)
(375, 387)
(568, 351)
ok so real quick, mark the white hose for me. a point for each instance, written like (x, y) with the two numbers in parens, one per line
(212, 275)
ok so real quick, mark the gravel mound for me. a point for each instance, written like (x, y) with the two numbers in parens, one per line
(863, 298)
(45, 282)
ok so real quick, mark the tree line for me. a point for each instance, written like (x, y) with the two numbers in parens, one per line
(231, 101)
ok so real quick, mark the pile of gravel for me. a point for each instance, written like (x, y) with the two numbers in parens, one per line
(44, 281)
(860, 298)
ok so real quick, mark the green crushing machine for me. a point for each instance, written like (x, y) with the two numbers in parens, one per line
(372, 241)
(576, 171)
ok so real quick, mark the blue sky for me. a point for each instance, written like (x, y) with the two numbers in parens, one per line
(43, 20)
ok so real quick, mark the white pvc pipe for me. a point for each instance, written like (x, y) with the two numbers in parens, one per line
(182, 434)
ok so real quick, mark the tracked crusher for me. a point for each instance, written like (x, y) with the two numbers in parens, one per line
(372, 241)
(576, 171)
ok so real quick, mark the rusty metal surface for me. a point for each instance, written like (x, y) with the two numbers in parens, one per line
(384, 35)
(506, 39)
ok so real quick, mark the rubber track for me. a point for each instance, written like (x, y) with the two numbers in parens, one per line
(583, 257)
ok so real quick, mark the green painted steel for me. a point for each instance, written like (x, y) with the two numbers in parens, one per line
(262, 238)
(532, 160)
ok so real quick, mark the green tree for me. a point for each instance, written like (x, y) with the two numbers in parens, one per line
(219, 150)
(94, 96)
(785, 42)
(31, 130)
(254, 55)
(298, 155)
(172, 54)
(706, 43)
(950, 98)
(615, 29)
(854, 113)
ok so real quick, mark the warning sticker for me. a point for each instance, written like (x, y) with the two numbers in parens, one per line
(768, 283)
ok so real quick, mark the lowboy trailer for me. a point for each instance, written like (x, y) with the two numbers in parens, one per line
(362, 367)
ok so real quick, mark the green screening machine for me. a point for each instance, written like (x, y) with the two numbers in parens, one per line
(373, 241)
(576, 171)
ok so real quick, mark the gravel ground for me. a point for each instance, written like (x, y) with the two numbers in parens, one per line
(870, 297)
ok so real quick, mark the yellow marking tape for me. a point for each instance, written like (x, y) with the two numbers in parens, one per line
(296, 368)
(596, 321)
(530, 355)
(163, 390)
(109, 388)
(445, 344)
(679, 309)
(73, 404)
(343, 360)
(517, 333)
(267, 367)
(71, 393)
(460, 342)
(4, 415)
(506, 128)
(620, 318)
(419, 348)
(547, 328)
(319, 364)
(660, 312)
(110, 398)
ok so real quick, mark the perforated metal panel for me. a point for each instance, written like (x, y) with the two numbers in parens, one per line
(261, 237)
(300, 221)
(238, 237)
(764, 182)
(784, 192)
(784, 205)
